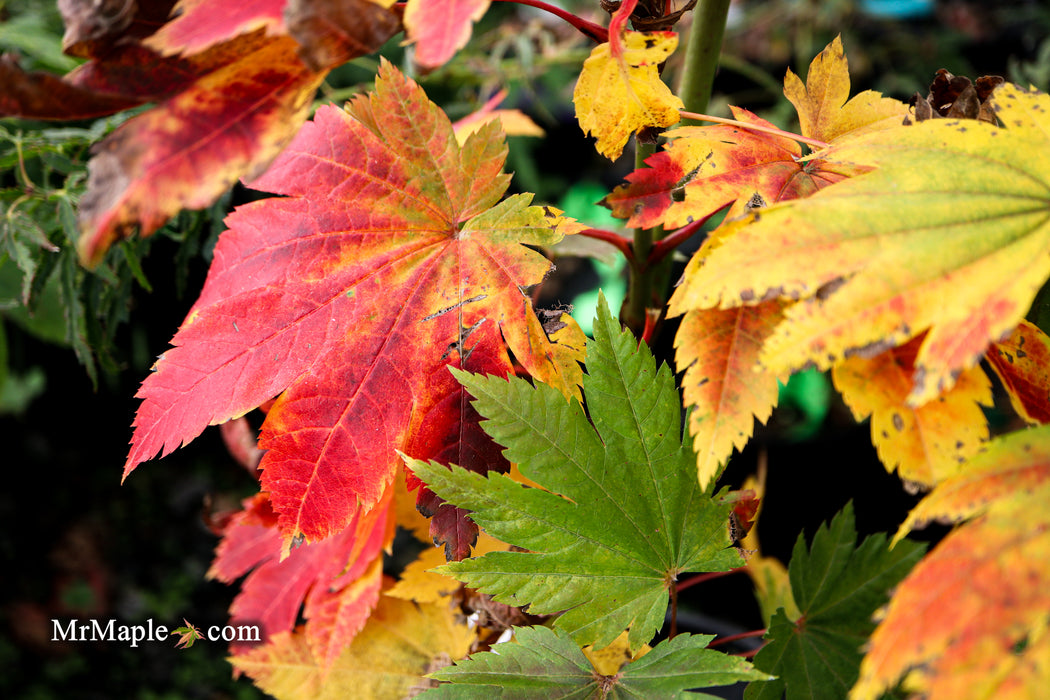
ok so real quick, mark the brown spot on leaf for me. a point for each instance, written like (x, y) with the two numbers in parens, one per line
(898, 422)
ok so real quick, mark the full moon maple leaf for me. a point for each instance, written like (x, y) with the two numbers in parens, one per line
(389, 258)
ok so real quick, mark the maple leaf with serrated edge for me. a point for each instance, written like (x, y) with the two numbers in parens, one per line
(400, 644)
(548, 663)
(970, 620)
(837, 585)
(335, 583)
(619, 90)
(624, 514)
(230, 95)
(388, 259)
(927, 443)
(723, 382)
(703, 169)
(953, 210)
(1022, 362)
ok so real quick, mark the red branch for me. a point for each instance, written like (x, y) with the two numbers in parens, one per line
(736, 637)
(668, 243)
(622, 244)
(700, 578)
(589, 29)
(816, 143)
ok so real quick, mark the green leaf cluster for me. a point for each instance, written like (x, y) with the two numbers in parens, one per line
(547, 663)
(619, 517)
(838, 585)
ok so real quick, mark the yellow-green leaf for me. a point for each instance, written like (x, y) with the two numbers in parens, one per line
(619, 93)
(950, 232)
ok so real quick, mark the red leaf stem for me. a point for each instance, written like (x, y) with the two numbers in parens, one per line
(622, 243)
(593, 31)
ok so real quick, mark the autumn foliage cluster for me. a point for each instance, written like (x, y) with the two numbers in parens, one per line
(377, 307)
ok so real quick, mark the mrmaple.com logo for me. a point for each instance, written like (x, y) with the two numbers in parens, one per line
(110, 631)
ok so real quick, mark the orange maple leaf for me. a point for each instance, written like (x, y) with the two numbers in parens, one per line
(970, 619)
(925, 443)
(387, 261)
(1022, 362)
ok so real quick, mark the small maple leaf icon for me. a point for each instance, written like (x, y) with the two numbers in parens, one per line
(189, 635)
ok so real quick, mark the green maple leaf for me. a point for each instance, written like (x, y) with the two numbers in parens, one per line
(838, 586)
(547, 663)
(623, 514)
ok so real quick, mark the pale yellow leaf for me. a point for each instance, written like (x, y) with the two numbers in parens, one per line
(618, 95)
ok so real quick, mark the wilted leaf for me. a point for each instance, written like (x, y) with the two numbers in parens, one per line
(1022, 361)
(43, 96)
(547, 663)
(440, 28)
(94, 27)
(620, 91)
(624, 515)
(925, 444)
(401, 643)
(388, 260)
(949, 233)
(837, 585)
(970, 620)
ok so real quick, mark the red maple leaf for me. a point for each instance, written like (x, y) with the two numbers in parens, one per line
(387, 261)
(338, 579)
(233, 82)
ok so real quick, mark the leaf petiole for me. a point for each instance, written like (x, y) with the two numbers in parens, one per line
(620, 242)
(589, 29)
(816, 143)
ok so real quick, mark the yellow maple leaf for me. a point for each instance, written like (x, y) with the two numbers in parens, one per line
(608, 660)
(620, 91)
(823, 110)
(948, 233)
(420, 584)
(927, 443)
(723, 381)
(402, 642)
(768, 574)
